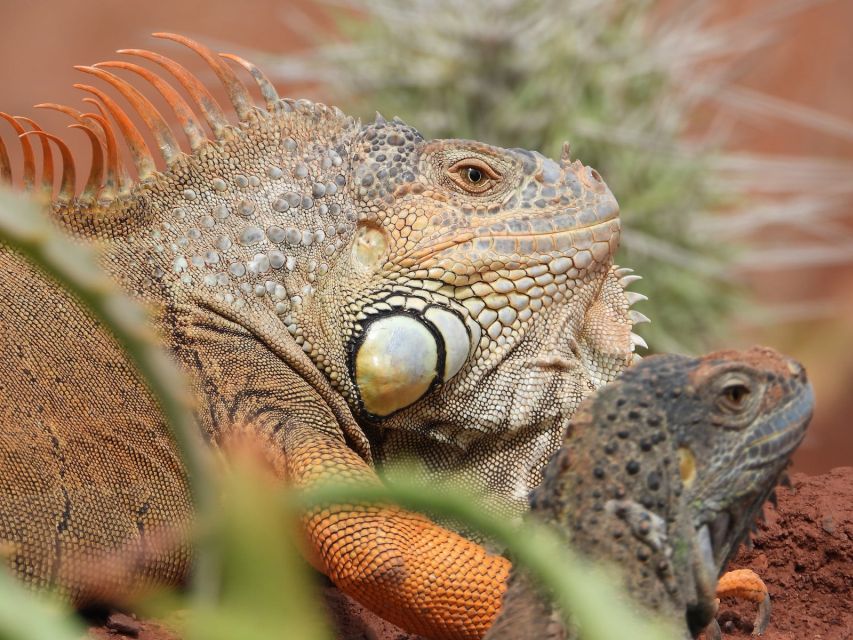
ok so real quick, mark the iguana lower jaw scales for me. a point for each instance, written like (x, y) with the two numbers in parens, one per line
(353, 291)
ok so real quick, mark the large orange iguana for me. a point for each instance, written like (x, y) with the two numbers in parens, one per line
(350, 292)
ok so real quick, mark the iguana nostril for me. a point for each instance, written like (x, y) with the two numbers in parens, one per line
(797, 370)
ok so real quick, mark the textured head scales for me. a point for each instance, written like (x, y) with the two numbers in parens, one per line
(460, 296)
(486, 304)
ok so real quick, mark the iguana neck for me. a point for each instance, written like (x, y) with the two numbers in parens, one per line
(251, 222)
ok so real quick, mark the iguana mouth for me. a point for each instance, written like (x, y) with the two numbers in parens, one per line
(536, 247)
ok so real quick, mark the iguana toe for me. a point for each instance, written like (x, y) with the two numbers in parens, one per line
(745, 584)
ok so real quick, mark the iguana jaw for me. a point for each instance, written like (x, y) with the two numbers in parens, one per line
(721, 524)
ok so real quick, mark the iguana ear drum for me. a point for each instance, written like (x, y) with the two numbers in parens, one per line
(401, 356)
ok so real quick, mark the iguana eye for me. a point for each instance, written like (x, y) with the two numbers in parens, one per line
(473, 175)
(737, 398)
(735, 395)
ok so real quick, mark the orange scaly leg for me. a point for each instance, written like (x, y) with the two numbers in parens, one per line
(399, 564)
(746, 585)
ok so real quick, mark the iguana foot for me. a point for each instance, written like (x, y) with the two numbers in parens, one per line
(746, 585)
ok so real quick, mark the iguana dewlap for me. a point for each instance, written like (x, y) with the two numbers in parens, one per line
(351, 292)
(662, 474)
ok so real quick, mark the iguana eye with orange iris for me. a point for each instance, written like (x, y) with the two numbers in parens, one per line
(473, 175)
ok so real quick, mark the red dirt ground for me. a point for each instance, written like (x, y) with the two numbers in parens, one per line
(804, 552)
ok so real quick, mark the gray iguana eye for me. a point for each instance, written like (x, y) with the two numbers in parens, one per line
(737, 399)
(734, 395)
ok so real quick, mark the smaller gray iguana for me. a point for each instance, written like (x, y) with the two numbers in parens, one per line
(662, 473)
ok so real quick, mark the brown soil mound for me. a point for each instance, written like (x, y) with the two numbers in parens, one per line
(804, 552)
(119, 625)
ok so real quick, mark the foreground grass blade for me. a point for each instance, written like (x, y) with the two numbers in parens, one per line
(23, 616)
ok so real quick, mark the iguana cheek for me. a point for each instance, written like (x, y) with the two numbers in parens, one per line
(396, 363)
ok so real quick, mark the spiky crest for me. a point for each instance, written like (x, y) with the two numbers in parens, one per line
(109, 178)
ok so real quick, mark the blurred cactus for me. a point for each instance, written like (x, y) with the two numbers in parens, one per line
(620, 79)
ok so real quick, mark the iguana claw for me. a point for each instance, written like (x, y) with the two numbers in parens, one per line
(745, 584)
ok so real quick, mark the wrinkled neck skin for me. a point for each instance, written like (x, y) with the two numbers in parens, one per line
(495, 430)
(462, 325)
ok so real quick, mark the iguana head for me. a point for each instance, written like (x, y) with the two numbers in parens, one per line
(742, 416)
(722, 427)
(473, 268)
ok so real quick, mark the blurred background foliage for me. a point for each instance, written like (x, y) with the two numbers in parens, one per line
(627, 82)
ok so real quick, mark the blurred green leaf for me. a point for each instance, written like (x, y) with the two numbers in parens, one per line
(266, 588)
(23, 616)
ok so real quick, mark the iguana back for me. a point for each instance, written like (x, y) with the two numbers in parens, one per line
(89, 469)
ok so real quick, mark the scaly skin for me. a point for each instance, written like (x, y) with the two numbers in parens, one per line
(352, 293)
(662, 474)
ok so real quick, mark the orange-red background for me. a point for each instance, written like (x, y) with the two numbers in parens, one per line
(811, 65)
